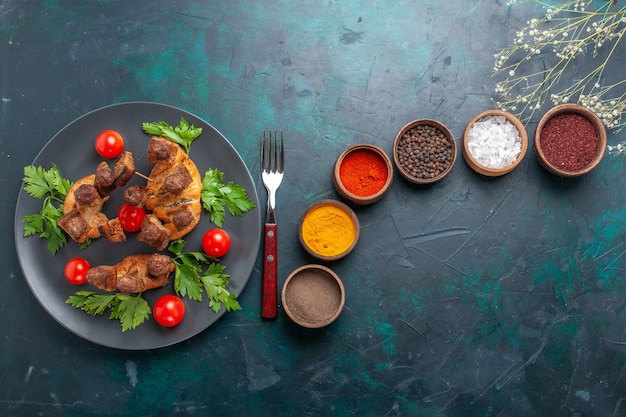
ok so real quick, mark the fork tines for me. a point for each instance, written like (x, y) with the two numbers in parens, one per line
(272, 154)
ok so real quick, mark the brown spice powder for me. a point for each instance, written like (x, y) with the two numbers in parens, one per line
(313, 297)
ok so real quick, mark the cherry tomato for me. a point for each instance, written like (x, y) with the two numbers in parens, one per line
(109, 144)
(169, 310)
(76, 270)
(216, 242)
(130, 217)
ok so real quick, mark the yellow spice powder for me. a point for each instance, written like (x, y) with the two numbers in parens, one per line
(328, 230)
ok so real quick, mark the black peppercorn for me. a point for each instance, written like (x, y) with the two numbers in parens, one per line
(424, 152)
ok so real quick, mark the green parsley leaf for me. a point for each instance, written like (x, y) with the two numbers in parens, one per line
(92, 302)
(214, 282)
(190, 280)
(186, 282)
(217, 197)
(50, 186)
(130, 309)
(183, 134)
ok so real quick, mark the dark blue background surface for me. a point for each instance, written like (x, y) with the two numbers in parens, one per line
(471, 297)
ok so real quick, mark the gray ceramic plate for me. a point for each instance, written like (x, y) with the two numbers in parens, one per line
(72, 151)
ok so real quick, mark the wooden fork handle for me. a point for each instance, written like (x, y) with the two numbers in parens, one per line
(270, 273)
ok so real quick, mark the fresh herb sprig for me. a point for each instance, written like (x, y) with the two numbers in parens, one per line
(49, 185)
(183, 134)
(191, 278)
(217, 197)
(130, 309)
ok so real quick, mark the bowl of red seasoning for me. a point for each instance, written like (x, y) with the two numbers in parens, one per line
(363, 173)
(570, 140)
(424, 151)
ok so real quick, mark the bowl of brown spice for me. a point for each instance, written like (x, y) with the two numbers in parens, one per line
(570, 140)
(363, 173)
(313, 296)
(424, 151)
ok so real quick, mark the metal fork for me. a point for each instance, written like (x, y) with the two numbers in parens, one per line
(272, 169)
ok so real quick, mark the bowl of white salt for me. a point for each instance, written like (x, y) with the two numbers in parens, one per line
(494, 143)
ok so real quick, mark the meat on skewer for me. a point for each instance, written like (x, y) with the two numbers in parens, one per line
(134, 274)
(172, 193)
(82, 210)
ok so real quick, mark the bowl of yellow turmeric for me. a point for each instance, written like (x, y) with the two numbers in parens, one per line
(329, 230)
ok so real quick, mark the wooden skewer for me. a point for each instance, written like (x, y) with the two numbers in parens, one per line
(143, 176)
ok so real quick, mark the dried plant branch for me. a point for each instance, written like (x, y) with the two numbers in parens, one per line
(543, 62)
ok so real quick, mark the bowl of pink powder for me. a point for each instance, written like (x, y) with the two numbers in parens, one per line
(494, 143)
(570, 140)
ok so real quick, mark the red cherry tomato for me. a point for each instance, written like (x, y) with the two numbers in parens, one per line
(76, 270)
(168, 310)
(216, 242)
(109, 144)
(130, 217)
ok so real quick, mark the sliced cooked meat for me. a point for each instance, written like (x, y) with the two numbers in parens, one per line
(105, 179)
(82, 209)
(80, 221)
(174, 188)
(112, 231)
(181, 216)
(159, 265)
(87, 195)
(163, 150)
(153, 232)
(103, 277)
(74, 224)
(134, 274)
(177, 180)
(124, 168)
(136, 195)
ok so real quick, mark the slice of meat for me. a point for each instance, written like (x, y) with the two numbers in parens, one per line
(160, 177)
(82, 209)
(175, 185)
(75, 225)
(161, 150)
(71, 202)
(124, 168)
(105, 179)
(154, 233)
(112, 231)
(134, 274)
(176, 180)
(87, 195)
(159, 265)
(181, 216)
(108, 179)
(136, 195)
(103, 277)
(82, 217)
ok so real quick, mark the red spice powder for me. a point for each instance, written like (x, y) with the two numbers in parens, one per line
(569, 141)
(363, 172)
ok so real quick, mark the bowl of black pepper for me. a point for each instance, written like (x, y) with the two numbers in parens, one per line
(424, 151)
